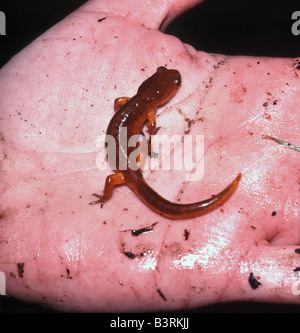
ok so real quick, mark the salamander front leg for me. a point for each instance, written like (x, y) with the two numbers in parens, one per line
(111, 181)
(151, 123)
(120, 101)
(152, 129)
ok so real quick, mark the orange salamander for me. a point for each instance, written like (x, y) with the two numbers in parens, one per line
(132, 114)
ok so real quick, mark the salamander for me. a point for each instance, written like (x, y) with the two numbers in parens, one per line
(132, 114)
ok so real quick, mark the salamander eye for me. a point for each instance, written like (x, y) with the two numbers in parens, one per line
(177, 80)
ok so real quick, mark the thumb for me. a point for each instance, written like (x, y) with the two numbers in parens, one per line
(156, 14)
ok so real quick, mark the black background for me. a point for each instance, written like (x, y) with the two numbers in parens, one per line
(234, 27)
(248, 27)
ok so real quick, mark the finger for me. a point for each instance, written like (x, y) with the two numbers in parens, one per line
(151, 14)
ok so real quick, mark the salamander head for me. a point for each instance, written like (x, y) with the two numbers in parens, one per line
(161, 86)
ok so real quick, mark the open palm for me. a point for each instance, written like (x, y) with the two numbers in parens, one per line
(56, 101)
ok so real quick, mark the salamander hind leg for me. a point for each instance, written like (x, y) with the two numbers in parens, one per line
(119, 102)
(111, 181)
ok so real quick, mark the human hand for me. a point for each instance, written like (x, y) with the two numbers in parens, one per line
(57, 98)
